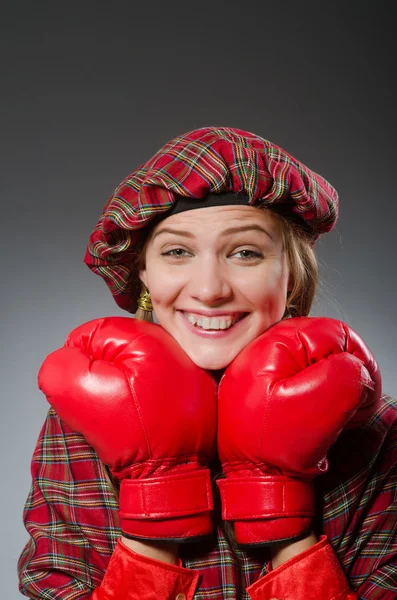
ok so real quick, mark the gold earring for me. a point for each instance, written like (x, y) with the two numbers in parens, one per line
(145, 307)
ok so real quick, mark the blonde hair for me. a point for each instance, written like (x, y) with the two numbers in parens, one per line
(302, 262)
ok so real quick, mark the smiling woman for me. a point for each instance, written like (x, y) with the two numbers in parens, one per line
(230, 272)
(238, 448)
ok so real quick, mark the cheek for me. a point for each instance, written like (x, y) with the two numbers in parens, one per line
(269, 288)
(164, 287)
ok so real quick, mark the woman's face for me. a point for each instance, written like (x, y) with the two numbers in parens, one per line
(218, 278)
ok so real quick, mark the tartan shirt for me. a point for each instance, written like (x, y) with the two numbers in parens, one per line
(71, 515)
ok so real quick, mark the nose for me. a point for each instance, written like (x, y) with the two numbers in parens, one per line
(210, 282)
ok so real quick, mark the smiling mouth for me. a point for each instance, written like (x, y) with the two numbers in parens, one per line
(220, 322)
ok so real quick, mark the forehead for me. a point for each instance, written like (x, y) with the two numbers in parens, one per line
(217, 218)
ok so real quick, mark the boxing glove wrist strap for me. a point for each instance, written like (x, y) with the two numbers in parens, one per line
(246, 498)
(166, 497)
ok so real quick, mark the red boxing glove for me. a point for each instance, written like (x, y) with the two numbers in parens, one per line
(150, 414)
(282, 403)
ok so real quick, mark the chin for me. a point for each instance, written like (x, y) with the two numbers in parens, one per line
(211, 363)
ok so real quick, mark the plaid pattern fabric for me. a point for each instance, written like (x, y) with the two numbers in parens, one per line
(71, 515)
(203, 161)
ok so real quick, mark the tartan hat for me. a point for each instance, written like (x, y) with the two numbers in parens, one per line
(211, 160)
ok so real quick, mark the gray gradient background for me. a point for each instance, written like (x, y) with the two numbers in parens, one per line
(90, 90)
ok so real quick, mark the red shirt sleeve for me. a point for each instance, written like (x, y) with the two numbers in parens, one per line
(313, 574)
(131, 576)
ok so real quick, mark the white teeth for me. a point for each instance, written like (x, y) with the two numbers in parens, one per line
(205, 323)
(223, 322)
(190, 318)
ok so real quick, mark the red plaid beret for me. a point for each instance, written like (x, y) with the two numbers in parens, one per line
(195, 164)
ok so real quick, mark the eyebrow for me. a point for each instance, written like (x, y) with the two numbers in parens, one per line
(229, 231)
